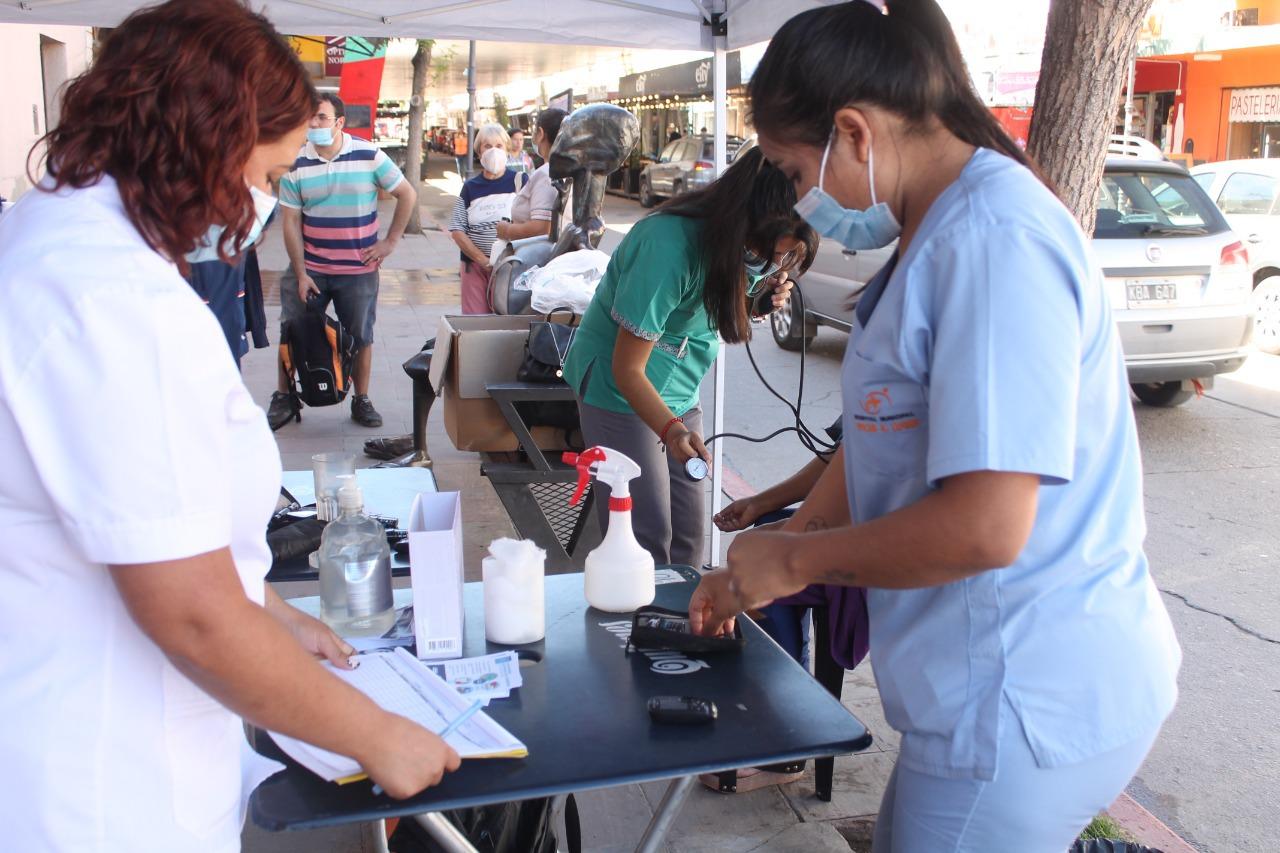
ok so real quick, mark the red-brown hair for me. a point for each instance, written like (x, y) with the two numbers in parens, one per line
(171, 109)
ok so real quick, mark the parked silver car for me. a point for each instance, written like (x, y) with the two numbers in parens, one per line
(685, 164)
(1248, 194)
(1178, 277)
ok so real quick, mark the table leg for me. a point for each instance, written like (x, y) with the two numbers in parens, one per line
(445, 834)
(373, 837)
(668, 810)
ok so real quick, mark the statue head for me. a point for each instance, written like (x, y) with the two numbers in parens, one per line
(597, 138)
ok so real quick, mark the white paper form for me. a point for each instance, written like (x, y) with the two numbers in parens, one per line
(489, 677)
(399, 683)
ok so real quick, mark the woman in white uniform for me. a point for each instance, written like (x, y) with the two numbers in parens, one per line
(989, 493)
(139, 475)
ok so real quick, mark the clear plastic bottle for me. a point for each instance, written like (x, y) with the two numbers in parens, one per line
(355, 569)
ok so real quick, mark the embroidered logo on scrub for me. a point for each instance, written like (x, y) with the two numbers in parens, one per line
(878, 414)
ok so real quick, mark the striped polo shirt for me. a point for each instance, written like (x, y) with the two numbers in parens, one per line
(339, 203)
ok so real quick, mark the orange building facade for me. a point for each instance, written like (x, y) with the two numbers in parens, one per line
(1230, 101)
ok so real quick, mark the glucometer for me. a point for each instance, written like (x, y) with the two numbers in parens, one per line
(657, 628)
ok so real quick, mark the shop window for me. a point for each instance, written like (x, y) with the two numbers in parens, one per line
(1251, 140)
(1246, 193)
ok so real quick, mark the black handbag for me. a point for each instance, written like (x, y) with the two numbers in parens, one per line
(546, 349)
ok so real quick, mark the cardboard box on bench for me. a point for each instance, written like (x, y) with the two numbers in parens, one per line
(471, 352)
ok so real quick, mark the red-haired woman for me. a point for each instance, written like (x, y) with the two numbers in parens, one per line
(138, 473)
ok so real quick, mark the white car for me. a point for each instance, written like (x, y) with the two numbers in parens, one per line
(1248, 194)
(1178, 277)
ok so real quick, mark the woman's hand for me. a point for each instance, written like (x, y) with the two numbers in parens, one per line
(740, 514)
(712, 597)
(405, 758)
(686, 445)
(782, 290)
(313, 635)
(761, 570)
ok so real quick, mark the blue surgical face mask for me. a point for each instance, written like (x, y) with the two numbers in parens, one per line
(873, 228)
(322, 136)
(264, 204)
(758, 270)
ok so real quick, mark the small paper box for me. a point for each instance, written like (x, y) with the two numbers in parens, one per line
(435, 568)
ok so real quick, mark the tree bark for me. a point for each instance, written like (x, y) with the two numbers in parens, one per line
(417, 109)
(1088, 46)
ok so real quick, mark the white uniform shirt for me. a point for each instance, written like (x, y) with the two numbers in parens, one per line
(126, 436)
(990, 346)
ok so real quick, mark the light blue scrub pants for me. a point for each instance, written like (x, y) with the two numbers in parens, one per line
(1026, 808)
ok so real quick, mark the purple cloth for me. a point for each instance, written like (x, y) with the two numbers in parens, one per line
(850, 627)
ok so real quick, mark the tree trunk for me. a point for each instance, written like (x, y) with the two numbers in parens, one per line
(417, 109)
(1088, 45)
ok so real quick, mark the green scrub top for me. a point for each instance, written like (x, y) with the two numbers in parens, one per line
(653, 288)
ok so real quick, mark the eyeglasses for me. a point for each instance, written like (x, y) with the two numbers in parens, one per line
(786, 263)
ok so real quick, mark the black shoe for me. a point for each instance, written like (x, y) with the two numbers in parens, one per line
(284, 408)
(363, 412)
(388, 448)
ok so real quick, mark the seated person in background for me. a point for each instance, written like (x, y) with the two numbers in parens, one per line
(535, 204)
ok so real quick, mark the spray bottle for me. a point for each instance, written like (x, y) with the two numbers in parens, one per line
(618, 575)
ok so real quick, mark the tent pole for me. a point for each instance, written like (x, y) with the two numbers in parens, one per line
(719, 96)
(471, 106)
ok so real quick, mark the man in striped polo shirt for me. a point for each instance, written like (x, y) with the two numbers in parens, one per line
(329, 213)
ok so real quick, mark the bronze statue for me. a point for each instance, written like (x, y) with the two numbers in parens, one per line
(594, 142)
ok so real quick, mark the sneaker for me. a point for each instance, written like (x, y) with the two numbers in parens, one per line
(363, 412)
(284, 408)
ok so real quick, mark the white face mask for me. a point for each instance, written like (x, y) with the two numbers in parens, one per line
(494, 161)
(264, 204)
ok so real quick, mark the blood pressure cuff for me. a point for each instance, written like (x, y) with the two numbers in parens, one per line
(660, 629)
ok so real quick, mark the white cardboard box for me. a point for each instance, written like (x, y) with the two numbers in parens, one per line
(435, 569)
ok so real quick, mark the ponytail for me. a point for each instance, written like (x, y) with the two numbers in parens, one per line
(905, 60)
(962, 111)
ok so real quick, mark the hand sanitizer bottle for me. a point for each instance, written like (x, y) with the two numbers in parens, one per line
(355, 569)
(618, 575)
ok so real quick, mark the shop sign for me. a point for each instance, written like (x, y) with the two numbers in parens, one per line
(692, 78)
(1254, 105)
(335, 49)
(1016, 81)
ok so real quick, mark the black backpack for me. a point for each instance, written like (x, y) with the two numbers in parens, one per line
(318, 355)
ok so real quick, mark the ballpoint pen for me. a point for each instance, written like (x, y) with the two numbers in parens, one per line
(451, 728)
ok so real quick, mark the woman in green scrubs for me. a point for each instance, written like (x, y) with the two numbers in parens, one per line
(690, 275)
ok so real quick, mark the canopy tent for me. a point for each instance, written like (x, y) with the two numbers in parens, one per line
(712, 25)
(621, 23)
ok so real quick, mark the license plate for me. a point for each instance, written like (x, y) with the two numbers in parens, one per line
(1149, 292)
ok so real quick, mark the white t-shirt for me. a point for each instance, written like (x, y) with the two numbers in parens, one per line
(126, 436)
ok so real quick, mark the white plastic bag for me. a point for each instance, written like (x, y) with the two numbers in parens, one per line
(568, 281)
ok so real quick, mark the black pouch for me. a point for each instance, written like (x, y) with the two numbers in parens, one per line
(660, 629)
(546, 349)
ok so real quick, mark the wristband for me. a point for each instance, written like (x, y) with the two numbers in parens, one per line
(662, 436)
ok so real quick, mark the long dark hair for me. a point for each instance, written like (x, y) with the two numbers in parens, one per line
(171, 109)
(748, 207)
(905, 60)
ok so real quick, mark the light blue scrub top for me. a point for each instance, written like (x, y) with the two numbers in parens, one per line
(992, 347)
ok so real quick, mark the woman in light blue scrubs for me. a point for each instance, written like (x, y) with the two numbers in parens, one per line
(989, 493)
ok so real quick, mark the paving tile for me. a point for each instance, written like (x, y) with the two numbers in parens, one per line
(857, 788)
(613, 819)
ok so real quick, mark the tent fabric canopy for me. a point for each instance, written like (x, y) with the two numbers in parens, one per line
(665, 24)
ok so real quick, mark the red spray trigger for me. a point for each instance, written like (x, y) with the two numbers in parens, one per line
(583, 461)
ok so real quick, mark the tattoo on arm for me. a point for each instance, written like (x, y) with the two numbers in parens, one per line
(815, 523)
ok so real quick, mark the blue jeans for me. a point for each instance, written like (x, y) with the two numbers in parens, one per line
(787, 624)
